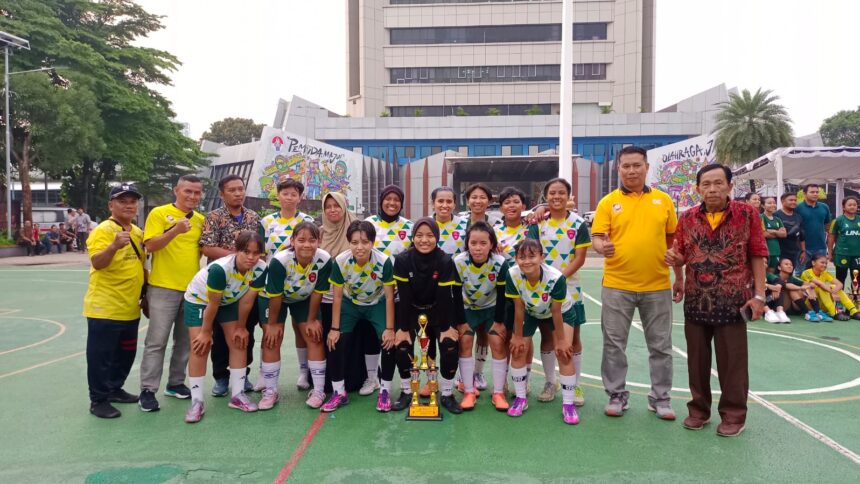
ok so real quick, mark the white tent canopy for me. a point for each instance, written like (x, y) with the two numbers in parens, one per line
(805, 165)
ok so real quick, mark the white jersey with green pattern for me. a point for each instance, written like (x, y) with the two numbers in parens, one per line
(363, 285)
(480, 283)
(221, 275)
(538, 299)
(296, 283)
(509, 237)
(276, 230)
(452, 235)
(391, 238)
(560, 239)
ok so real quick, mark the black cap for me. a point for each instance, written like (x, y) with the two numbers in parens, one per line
(123, 189)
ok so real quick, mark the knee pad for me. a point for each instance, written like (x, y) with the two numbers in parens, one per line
(404, 347)
(448, 345)
(469, 332)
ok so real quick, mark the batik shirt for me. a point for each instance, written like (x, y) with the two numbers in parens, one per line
(509, 237)
(452, 235)
(276, 230)
(391, 238)
(480, 283)
(538, 299)
(560, 239)
(223, 276)
(221, 228)
(363, 285)
(296, 283)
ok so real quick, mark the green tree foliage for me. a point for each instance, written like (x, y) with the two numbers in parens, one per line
(842, 129)
(534, 110)
(493, 111)
(128, 127)
(461, 111)
(750, 125)
(233, 131)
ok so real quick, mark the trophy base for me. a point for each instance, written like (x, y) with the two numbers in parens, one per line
(424, 412)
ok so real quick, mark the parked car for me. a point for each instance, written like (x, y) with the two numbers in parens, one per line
(589, 217)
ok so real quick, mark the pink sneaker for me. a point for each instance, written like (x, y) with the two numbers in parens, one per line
(243, 403)
(568, 412)
(195, 412)
(315, 399)
(270, 398)
(336, 400)
(383, 402)
(519, 406)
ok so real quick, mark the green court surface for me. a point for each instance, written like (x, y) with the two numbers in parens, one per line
(802, 423)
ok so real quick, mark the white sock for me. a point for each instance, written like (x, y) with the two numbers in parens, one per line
(577, 362)
(548, 359)
(196, 383)
(480, 358)
(372, 362)
(318, 375)
(302, 354)
(500, 374)
(237, 381)
(385, 385)
(338, 387)
(467, 371)
(447, 386)
(405, 386)
(568, 388)
(519, 377)
(270, 373)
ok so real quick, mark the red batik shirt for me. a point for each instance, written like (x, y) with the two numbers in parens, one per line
(719, 272)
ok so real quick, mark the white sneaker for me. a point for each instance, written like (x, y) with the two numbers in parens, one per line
(783, 318)
(303, 383)
(369, 386)
(771, 317)
(480, 381)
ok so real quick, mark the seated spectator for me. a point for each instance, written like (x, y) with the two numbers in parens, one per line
(829, 291)
(788, 294)
(67, 238)
(51, 239)
(25, 239)
(37, 238)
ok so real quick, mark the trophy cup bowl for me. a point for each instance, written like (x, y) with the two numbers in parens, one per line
(417, 410)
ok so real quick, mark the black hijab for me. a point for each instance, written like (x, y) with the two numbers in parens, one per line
(385, 191)
(425, 264)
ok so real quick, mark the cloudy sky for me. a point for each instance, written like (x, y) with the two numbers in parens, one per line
(240, 57)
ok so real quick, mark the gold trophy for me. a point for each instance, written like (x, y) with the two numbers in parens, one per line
(418, 410)
(855, 286)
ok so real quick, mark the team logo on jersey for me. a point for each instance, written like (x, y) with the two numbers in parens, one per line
(373, 275)
(657, 201)
(170, 218)
(456, 235)
(312, 276)
(616, 207)
(571, 234)
(402, 234)
(544, 297)
(492, 277)
(436, 274)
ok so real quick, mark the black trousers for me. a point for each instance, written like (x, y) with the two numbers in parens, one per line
(220, 353)
(111, 348)
(355, 370)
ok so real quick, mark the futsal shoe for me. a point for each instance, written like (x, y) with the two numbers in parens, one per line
(500, 402)
(783, 318)
(369, 386)
(403, 401)
(549, 391)
(122, 396)
(104, 409)
(468, 402)
(315, 399)
(568, 413)
(450, 403)
(148, 402)
(195, 412)
(855, 315)
(303, 383)
(243, 403)
(222, 385)
(462, 388)
(771, 317)
(664, 412)
(811, 316)
(822, 316)
(334, 402)
(480, 381)
(270, 398)
(840, 316)
(177, 391)
(383, 402)
(519, 406)
(578, 396)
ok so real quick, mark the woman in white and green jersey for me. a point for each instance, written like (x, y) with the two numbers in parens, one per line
(452, 228)
(297, 279)
(223, 293)
(844, 241)
(773, 231)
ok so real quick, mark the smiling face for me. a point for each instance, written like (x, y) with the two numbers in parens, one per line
(391, 204)
(786, 266)
(512, 208)
(556, 197)
(123, 208)
(360, 246)
(755, 201)
(305, 244)
(819, 265)
(443, 205)
(529, 262)
(188, 195)
(850, 207)
(478, 201)
(770, 205)
(632, 169)
(333, 211)
(423, 239)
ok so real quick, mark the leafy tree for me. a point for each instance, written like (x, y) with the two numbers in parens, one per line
(494, 111)
(534, 110)
(385, 114)
(461, 111)
(841, 129)
(233, 131)
(419, 112)
(750, 125)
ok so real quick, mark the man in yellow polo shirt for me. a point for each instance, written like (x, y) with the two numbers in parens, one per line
(112, 302)
(632, 228)
(171, 234)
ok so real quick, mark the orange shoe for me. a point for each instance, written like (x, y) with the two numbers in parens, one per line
(425, 391)
(468, 401)
(500, 402)
(460, 387)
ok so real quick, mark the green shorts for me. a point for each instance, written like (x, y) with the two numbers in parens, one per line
(846, 261)
(297, 310)
(573, 317)
(351, 314)
(476, 318)
(772, 261)
(193, 313)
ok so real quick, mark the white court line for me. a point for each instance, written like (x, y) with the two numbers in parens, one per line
(38, 343)
(819, 436)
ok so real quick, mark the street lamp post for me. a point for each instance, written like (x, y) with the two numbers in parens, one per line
(9, 41)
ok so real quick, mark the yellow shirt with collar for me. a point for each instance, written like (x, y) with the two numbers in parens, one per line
(175, 264)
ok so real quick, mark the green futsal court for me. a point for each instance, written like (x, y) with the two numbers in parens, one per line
(802, 423)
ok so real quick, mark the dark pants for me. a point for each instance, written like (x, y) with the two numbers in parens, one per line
(220, 353)
(355, 370)
(730, 346)
(111, 347)
(31, 249)
(82, 241)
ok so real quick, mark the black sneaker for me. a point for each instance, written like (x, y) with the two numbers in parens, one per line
(104, 410)
(147, 402)
(840, 316)
(177, 391)
(122, 396)
(402, 402)
(450, 403)
(856, 315)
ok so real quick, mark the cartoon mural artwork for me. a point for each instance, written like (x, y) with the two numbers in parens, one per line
(673, 168)
(322, 168)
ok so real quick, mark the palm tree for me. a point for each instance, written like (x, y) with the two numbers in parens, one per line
(749, 126)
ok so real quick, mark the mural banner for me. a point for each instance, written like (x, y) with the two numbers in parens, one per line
(673, 168)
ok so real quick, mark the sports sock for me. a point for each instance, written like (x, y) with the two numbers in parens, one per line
(196, 383)
(338, 387)
(237, 381)
(302, 354)
(447, 386)
(500, 374)
(548, 359)
(568, 388)
(405, 386)
(385, 385)
(480, 358)
(467, 372)
(577, 362)
(318, 375)
(372, 363)
(519, 377)
(270, 373)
